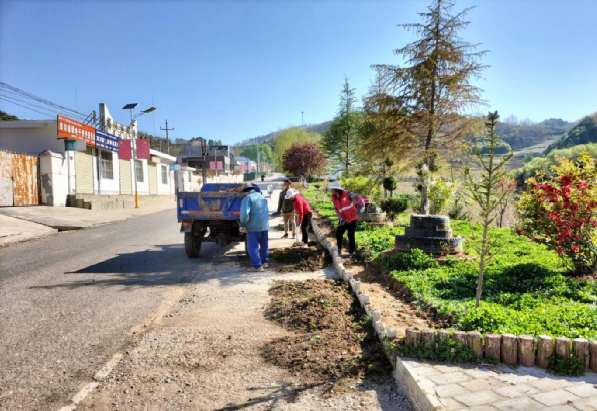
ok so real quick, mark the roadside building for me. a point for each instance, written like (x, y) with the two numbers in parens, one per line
(77, 164)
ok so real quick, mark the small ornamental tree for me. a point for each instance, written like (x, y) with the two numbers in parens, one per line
(304, 160)
(488, 191)
(561, 212)
(389, 184)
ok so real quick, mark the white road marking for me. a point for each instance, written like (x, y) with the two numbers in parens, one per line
(109, 366)
(107, 369)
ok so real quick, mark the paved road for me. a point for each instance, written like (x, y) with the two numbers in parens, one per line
(68, 302)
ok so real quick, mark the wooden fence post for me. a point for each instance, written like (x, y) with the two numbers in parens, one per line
(460, 337)
(443, 335)
(593, 355)
(509, 349)
(580, 346)
(544, 350)
(475, 342)
(493, 346)
(412, 337)
(428, 335)
(563, 347)
(526, 350)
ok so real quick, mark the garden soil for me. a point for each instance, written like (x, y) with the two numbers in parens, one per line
(205, 353)
(392, 301)
(332, 342)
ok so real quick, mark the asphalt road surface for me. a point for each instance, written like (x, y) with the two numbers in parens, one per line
(70, 301)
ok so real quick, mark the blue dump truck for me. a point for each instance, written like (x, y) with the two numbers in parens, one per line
(211, 215)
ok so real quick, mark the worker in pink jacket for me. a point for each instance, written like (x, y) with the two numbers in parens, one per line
(303, 212)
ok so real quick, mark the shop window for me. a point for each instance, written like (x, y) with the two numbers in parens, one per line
(139, 171)
(107, 165)
(164, 174)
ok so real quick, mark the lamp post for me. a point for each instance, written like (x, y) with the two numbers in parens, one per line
(131, 107)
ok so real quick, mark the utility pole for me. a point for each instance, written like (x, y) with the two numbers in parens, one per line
(302, 119)
(167, 129)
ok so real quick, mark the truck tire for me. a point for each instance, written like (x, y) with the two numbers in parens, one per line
(192, 245)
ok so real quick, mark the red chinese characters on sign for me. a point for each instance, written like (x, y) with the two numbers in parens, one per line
(75, 130)
(124, 149)
(142, 149)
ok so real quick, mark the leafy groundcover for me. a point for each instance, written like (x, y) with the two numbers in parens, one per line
(526, 289)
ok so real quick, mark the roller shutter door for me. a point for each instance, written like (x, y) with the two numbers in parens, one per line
(153, 178)
(125, 176)
(84, 171)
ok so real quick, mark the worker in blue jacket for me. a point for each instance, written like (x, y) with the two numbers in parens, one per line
(254, 218)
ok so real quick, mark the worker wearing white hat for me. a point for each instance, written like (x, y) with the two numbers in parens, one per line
(348, 205)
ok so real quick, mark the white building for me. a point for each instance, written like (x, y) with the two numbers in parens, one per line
(92, 172)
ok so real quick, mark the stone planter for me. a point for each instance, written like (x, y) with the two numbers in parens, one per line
(431, 234)
(372, 217)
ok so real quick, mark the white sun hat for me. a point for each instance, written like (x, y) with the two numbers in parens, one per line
(335, 185)
(289, 194)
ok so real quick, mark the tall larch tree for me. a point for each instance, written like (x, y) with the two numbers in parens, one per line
(431, 95)
(341, 140)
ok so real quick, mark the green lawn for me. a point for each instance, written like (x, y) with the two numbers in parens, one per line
(525, 289)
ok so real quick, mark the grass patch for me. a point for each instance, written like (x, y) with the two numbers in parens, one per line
(526, 288)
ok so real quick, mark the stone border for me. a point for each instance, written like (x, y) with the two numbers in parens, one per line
(510, 349)
(403, 371)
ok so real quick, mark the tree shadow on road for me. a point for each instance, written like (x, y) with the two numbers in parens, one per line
(163, 265)
(285, 391)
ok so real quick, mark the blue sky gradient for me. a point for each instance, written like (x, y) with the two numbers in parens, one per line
(232, 70)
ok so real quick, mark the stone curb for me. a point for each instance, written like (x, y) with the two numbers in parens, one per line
(403, 372)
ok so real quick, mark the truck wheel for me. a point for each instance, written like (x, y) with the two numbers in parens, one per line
(192, 245)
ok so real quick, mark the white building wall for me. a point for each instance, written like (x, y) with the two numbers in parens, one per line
(54, 179)
(30, 136)
(163, 189)
(142, 186)
(104, 185)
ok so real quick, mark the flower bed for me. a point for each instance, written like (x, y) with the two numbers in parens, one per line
(526, 290)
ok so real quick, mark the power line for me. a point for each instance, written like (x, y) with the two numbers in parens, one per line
(53, 111)
(45, 114)
(42, 100)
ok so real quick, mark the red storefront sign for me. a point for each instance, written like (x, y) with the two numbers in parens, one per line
(142, 149)
(75, 130)
(124, 149)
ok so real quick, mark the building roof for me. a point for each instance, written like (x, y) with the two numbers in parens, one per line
(162, 155)
(11, 124)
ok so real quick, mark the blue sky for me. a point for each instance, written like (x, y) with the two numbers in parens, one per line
(232, 70)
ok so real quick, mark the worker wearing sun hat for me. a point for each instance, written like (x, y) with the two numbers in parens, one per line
(303, 212)
(254, 217)
(348, 205)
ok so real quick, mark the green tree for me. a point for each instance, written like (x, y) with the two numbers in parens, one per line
(489, 192)
(265, 152)
(389, 184)
(284, 140)
(341, 140)
(211, 142)
(7, 117)
(428, 96)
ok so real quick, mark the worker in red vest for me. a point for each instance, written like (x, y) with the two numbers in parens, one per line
(303, 212)
(348, 205)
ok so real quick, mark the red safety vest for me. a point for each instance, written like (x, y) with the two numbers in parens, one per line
(345, 207)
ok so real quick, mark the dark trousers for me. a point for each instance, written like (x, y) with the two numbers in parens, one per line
(350, 227)
(305, 226)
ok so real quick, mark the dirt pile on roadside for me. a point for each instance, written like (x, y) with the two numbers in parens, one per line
(333, 341)
(297, 258)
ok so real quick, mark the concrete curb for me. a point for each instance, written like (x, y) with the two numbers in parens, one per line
(421, 399)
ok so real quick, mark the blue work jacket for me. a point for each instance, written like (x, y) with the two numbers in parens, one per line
(254, 212)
